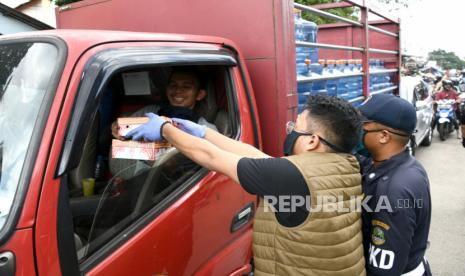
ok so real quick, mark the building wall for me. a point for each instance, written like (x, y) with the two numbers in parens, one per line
(10, 25)
(42, 10)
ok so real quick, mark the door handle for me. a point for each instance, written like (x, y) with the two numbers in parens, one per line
(242, 217)
(7, 264)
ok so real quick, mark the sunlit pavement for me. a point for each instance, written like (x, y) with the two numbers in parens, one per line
(445, 164)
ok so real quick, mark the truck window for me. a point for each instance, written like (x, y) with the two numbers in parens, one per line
(26, 70)
(127, 188)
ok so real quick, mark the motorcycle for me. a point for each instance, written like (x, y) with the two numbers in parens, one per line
(444, 117)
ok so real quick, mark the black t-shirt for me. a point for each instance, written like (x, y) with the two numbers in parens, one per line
(275, 177)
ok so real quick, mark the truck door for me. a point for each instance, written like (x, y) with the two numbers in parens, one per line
(166, 217)
(30, 72)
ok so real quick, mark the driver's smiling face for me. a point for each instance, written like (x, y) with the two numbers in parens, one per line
(183, 90)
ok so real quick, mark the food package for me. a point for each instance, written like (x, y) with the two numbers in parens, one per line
(135, 149)
(127, 124)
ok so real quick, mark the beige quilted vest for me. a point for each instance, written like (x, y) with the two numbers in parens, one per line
(327, 243)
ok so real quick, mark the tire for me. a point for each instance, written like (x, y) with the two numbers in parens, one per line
(442, 129)
(428, 138)
(462, 114)
(412, 146)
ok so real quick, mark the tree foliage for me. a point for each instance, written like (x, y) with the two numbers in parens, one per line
(447, 60)
(344, 12)
(349, 12)
(398, 3)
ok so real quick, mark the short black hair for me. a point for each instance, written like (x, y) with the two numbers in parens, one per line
(191, 71)
(337, 120)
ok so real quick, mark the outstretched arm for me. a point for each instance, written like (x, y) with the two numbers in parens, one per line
(202, 151)
(221, 141)
(232, 145)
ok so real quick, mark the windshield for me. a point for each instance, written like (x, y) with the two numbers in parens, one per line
(25, 72)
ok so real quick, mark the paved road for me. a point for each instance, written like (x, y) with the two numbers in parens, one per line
(445, 164)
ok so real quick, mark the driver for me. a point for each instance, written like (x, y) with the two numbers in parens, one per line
(184, 91)
(447, 93)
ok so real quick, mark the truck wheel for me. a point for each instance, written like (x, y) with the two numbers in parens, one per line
(428, 138)
(442, 131)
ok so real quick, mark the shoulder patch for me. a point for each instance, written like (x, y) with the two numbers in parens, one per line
(380, 224)
(377, 236)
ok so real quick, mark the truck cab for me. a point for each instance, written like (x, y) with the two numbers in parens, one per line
(61, 90)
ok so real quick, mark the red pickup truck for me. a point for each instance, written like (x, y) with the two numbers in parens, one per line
(59, 89)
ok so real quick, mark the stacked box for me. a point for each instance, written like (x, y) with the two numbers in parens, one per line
(135, 149)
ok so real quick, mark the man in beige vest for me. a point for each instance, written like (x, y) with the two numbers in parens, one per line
(307, 222)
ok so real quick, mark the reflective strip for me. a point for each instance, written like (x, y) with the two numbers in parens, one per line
(418, 271)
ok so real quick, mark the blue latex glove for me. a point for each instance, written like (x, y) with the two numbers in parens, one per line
(149, 131)
(190, 127)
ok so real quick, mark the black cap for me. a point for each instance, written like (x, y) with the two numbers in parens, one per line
(390, 111)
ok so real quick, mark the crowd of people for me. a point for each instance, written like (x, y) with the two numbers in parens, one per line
(446, 85)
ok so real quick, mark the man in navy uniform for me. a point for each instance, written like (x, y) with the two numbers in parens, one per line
(397, 219)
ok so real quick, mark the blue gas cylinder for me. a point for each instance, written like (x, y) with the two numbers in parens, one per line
(303, 97)
(302, 69)
(374, 84)
(351, 81)
(301, 52)
(331, 85)
(358, 69)
(306, 86)
(382, 83)
(310, 31)
(342, 91)
(386, 76)
(319, 86)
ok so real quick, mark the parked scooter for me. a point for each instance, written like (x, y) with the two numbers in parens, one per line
(444, 118)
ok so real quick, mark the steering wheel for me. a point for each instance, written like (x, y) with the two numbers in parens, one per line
(145, 197)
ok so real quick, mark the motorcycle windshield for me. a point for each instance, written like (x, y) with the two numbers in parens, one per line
(26, 70)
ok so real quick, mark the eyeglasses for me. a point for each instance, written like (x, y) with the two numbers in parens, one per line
(387, 130)
(383, 129)
(290, 127)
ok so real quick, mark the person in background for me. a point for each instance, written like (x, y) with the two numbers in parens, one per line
(396, 236)
(447, 93)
